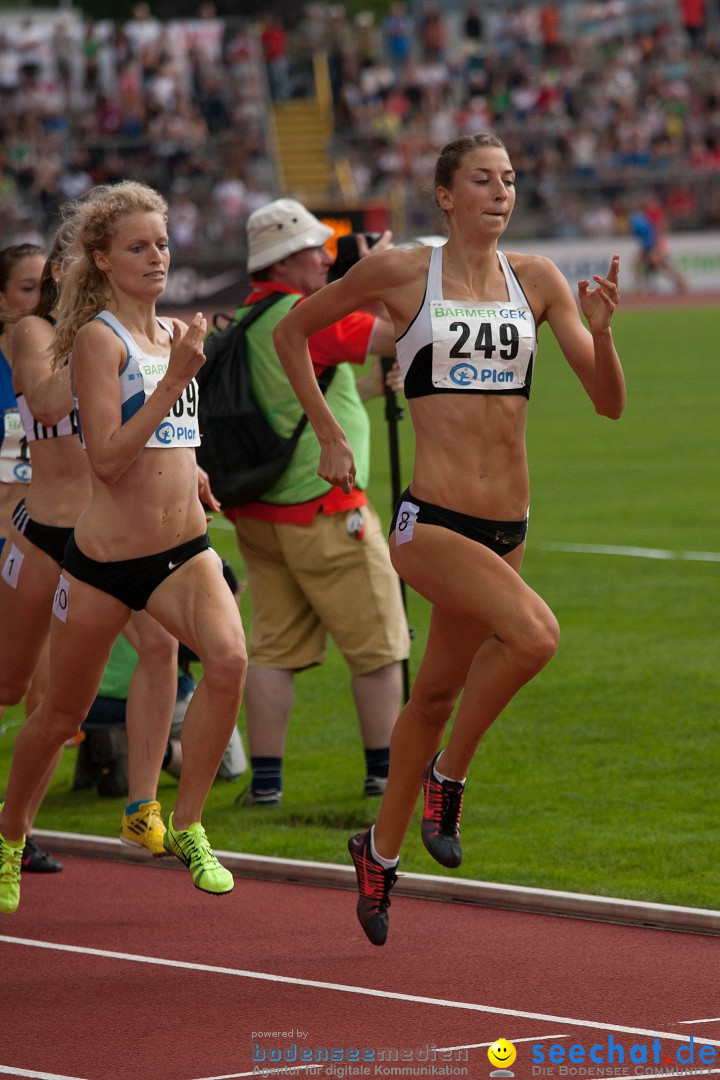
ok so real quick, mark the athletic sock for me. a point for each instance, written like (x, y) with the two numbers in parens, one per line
(266, 774)
(387, 864)
(439, 776)
(377, 762)
(133, 807)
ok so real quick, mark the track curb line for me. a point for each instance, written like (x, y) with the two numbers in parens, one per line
(424, 886)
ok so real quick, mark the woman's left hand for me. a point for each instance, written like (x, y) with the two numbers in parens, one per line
(598, 304)
(205, 492)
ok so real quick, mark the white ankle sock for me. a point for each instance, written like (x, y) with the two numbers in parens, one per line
(439, 776)
(387, 864)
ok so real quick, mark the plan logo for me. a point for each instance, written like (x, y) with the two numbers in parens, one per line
(165, 433)
(463, 374)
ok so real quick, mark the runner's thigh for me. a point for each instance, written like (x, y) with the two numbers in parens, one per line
(196, 606)
(462, 577)
(28, 579)
(84, 625)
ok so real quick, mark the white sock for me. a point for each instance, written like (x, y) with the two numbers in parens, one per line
(439, 776)
(387, 864)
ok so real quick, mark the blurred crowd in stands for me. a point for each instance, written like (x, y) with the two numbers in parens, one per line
(598, 101)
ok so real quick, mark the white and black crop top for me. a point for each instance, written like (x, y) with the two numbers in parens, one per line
(139, 377)
(34, 430)
(463, 346)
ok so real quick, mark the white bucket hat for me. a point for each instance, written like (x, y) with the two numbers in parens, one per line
(279, 229)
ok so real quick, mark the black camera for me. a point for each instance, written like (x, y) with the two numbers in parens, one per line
(348, 254)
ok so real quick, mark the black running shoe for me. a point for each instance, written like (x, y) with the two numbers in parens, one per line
(267, 797)
(374, 785)
(440, 826)
(36, 861)
(374, 883)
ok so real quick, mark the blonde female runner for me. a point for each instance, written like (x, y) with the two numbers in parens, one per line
(141, 541)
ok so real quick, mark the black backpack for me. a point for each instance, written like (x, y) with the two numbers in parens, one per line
(240, 450)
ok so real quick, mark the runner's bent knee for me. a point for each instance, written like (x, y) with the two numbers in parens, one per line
(433, 705)
(538, 641)
(62, 723)
(225, 667)
(158, 649)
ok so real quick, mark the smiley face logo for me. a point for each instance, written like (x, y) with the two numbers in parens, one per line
(502, 1054)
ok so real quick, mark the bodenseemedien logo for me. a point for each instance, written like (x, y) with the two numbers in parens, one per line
(502, 1054)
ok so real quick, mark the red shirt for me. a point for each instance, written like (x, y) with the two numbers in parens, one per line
(274, 40)
(346, 341)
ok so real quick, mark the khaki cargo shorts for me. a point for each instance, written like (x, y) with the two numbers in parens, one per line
(308, 581)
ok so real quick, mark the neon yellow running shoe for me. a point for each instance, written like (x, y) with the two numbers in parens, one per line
(145, 828)
(192, 847)
(10, 864)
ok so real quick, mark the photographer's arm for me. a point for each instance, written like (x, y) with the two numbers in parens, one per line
(381, 244)
(373, 384)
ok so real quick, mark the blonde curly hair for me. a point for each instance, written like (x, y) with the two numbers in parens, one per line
(95, 220)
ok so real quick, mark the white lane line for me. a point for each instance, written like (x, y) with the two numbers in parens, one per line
(12, 1070)
(385, 995)
(582, 549)
(635, 552)
(285, 1070)
(479, 1046)
(710, 1020)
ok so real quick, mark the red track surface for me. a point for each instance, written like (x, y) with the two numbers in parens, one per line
(494, 974)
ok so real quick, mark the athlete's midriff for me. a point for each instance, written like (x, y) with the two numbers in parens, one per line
(470, 454)
(153, 506)
(61, 485)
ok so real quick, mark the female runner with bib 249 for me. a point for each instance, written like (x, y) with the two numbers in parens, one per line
(141, 541)
(466, 318)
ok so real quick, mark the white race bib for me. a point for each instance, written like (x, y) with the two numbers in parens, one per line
(405, 522)
(11, 566)
(60, 603)
(14, 469)
(481, 346)
(180, 426)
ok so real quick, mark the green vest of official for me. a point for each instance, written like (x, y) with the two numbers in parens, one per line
(275, 396)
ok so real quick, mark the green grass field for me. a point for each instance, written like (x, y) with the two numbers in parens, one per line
(600, 776)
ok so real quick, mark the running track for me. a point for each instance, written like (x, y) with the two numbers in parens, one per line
(123, 971)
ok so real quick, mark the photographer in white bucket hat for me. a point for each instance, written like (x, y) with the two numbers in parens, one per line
(279, 229)
(316, 559)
